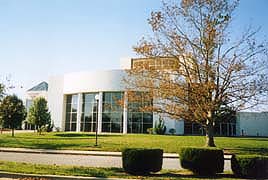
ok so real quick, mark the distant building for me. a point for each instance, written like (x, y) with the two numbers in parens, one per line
(78, 101)
(252, 123)
(40, 90)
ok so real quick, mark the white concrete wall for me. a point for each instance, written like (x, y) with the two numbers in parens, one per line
(93, 81)
(125, 63)
(179, 126)
(56, 101)
(80, 82)
(252, 123)
(34, 94)
(170, 123)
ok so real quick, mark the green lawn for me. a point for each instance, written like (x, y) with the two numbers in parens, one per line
(28, 168)
(117, 142)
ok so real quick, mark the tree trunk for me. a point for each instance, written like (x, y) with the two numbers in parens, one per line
(12, 132)
(210, 135)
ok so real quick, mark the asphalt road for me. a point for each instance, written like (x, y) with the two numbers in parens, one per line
(83, 160)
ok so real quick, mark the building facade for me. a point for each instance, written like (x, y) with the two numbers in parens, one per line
(87, 101)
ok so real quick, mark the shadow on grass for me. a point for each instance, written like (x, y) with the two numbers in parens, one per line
(172, 174)
(53, 146)
(89, 172)
(64, 136)
(74, 135)
(175, 175)
(248, 138)
(247, 150)
(36, 145)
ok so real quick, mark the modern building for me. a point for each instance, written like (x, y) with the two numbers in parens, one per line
(86, 101)
(252, 123)
(40, 90)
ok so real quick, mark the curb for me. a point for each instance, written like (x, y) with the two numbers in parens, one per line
(53, 177)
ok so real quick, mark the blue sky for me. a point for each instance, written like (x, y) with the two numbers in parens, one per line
(40, 38)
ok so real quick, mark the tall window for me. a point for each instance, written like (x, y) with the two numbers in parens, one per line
(89, 113)
(227, 128)
(112, 112)
(29, 103)
(71, 112)
(138, 119)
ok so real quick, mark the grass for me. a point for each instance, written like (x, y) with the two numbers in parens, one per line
(28, 168)
(117, 142)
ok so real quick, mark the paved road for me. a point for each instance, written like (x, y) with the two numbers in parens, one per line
(82, 160)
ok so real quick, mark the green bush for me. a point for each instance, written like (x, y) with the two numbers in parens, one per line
(142, 161)
(150, 130)
(202, 161)
(250, 166)
(172, 131)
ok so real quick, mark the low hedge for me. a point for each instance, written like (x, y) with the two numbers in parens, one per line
(142, 161)
(202, 161)
(250, 166)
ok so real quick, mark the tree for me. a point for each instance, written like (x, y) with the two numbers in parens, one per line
(195, 67)
(39, 115)
(12, 112)
(2, 91)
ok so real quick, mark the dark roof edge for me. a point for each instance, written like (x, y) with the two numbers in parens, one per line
(43, 86)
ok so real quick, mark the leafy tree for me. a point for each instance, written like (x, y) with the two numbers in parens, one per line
(195, 67)
(2, 90)
(39, 115)
(12, 112)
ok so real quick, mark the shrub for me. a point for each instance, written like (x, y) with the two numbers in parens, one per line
(160, 127)
(142, 161)
(57, 129)
(250, 166)
(202, 161)
(172, 131)
(150, 130)
(49, 127)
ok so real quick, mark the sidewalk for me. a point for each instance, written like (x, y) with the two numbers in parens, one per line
(76, 152)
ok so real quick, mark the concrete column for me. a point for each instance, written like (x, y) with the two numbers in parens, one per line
(100, 112)
(79, 111)
(125, 114)
(62, 123)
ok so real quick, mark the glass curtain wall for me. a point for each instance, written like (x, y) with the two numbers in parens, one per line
(138, 120)
(220, 129)
(71, 112)
(112, 112)
(89, 112)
